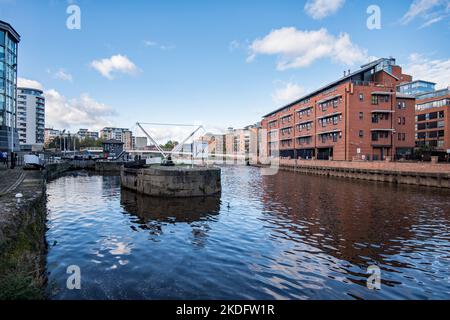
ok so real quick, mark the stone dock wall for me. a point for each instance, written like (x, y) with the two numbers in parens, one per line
(23, 246)
(172, 182)
(22, 240)
(420, 174)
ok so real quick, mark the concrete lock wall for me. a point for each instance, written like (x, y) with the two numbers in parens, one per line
(173, 181)
(420, 174)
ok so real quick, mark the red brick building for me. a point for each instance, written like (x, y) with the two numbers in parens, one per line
(360, 116)
(433, 120)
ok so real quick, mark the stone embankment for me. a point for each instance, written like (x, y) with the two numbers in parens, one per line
(22, 226)
(420, 174)
(22, 235)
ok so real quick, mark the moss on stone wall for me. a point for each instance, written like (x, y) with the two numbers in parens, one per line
(22, 257)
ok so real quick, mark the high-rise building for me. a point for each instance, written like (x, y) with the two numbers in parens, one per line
(360, 116)
(30, 118)
(9, 40)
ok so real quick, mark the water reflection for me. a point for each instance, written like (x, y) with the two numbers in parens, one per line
(280, 237)
(154, 214)
(170, 210)
(360, 224)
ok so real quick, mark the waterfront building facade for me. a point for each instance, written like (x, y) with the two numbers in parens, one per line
(121, 134)
(433, 120)
(237, 143)
(9, 40)
(358, 117)
(86, 134)
(31, 118)
(112, 148)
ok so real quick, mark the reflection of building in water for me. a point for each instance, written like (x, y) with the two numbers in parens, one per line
(154, 213)
(351, 221)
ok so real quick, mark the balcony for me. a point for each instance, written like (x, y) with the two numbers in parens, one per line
(382, 137)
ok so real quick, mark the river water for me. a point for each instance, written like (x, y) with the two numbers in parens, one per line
(287, 236)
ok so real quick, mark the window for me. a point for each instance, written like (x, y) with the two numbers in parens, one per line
(361, 97)
(421, 117)
(361, 115)
(374, 136)
(361, 133)
(374, 99)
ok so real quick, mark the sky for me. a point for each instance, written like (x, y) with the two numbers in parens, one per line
(219, 63)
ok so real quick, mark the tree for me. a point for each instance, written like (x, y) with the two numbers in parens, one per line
(424, 151)
(169, 145)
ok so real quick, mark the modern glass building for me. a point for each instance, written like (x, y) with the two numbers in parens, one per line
(417, 87)
(9, 40)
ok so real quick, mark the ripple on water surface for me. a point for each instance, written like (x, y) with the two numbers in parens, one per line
(267, 237)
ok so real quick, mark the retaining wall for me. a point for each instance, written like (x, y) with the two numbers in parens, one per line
(173, 181)
(421, 174)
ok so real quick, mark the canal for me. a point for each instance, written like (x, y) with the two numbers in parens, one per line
(268, 237)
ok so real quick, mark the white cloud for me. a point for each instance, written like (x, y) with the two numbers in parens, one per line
(82, 112)
(288, 93)
(319, 9)
(32, 84)
(114, 64)
(297, 48)
(424, 68)
(154, 44)
(430, 11)
(61, 74)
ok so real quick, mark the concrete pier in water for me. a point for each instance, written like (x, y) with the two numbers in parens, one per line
(178, 181)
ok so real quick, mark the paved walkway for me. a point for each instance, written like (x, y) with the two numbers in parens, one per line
(10, 180)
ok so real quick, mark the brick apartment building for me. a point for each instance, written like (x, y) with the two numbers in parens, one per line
(360, 116)
(433, 120)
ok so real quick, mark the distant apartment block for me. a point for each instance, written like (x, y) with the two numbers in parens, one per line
(121, 134)
(433, 120)
(50, 135)
(85, 133)
(417, 87)
(30, 118)
(237, 143)
(359, 116)
(257, 143)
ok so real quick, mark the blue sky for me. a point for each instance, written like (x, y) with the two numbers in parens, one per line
(219, 63)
